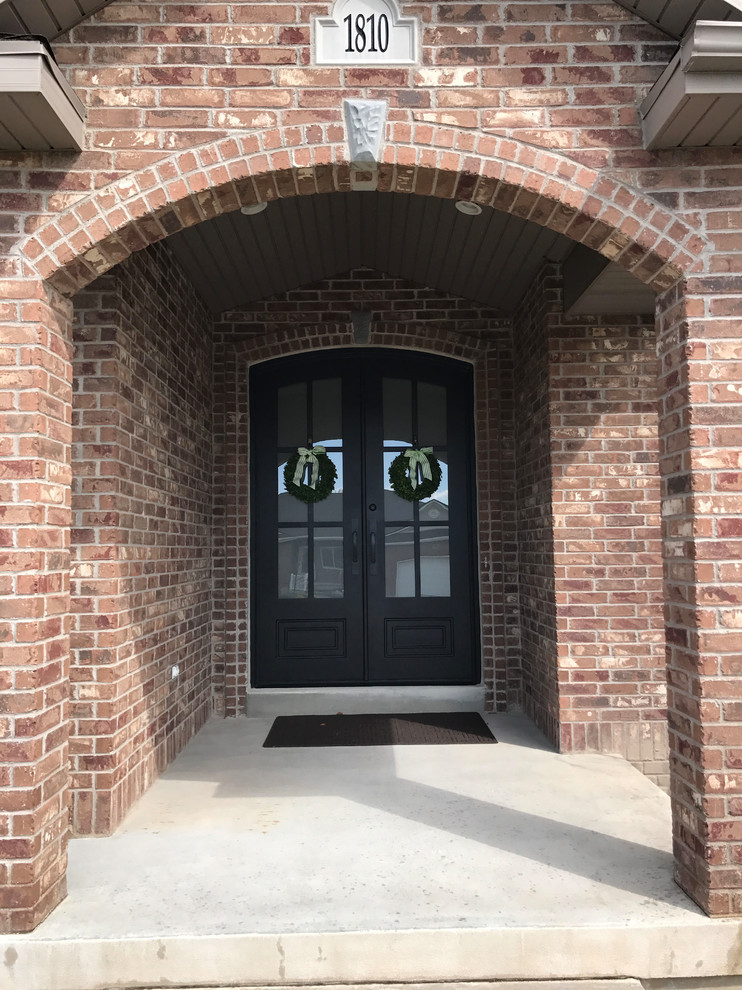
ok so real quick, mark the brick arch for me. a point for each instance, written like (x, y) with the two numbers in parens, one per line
(94, 234)
(305, 339)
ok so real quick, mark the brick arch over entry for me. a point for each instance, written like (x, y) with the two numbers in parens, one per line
(96, 233)
(72, 249)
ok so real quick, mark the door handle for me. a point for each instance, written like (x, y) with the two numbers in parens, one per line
(354, 547)
(372, 546)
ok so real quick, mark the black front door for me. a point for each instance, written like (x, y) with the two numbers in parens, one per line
(363, 587)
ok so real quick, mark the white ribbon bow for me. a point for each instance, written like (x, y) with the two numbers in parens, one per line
(308, 455)
(419, 457)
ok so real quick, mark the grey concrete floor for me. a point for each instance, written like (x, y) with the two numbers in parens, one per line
(235, 838)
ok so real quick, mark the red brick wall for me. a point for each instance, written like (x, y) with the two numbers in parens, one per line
(167, 76)
(607, 539)
(700, 416)
(589, 538)
(35, 399)
(500, 85)
(402, 315)
(539, 693)
(141, 538)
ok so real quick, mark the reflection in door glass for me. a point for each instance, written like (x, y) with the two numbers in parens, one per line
(435, 570)
(293, 563)
(436, 507)
(326, 409)
(431, 415)
(394, 506)
(399, 554)
(397, 406)
(330, 509)
(292, 415)
(290, 509)
(328, 562)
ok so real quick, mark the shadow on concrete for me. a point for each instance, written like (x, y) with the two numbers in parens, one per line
(520, 775)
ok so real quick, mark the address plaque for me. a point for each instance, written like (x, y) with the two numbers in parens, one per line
(365, 32)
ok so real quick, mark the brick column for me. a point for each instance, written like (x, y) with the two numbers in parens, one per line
(35, 401)
(141, 542)
(700, 434)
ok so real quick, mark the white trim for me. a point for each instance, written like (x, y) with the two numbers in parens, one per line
(39, 110)
(697, 101)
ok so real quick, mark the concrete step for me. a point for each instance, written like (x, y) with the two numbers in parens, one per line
(512, 959)
(509, 985)
(263, 702)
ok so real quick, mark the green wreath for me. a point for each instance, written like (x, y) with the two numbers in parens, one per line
(324, 485)
(399, 478)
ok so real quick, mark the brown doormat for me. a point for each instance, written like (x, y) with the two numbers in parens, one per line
(423, 729)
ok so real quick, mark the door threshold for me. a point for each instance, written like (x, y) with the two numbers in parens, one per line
(365, 700)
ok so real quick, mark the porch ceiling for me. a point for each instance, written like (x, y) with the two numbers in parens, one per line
(491, 259)
(52, 18)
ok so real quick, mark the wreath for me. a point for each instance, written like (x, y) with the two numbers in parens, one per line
(322, 474)
(403, 474)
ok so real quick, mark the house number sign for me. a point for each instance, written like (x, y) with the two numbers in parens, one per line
(365, 32)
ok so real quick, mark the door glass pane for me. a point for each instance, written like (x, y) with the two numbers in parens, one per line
(293, 563)
(328, 562)
(399, 555)
(292, 415)
(397, 406)
(435, 569)
(435, 508)
(394, 506)
(290, 509)
(326, 411)
(330, 509)
(431, 415)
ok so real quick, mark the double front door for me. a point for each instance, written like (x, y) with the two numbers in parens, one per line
(363, 586)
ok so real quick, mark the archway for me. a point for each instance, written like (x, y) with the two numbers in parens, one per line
(71, 250)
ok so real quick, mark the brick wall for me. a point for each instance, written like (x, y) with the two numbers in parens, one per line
(700, 416)
(166, 76)
(589, 539)
(513, 104)
(607, 540)
(35, 400)
(535, 524)
(142, 494)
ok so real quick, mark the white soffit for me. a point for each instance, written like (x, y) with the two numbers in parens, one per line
(49, 18)
(675, 17)
(697, 101)
(493, 258)
(595, 286)
(39, 110)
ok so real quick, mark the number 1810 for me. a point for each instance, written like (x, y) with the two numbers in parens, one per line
(369, 32)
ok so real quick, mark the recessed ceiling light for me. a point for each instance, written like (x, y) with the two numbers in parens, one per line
(468, 208)
(253, 209)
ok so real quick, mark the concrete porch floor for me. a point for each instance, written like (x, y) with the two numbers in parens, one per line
(245, 865)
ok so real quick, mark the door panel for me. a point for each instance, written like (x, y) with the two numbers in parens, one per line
(364, 586)
(420, 594)
(307, 587)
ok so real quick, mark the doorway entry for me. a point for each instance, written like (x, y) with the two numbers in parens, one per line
(363, 586)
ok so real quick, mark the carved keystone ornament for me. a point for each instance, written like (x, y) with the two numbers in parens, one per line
(364, 122)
